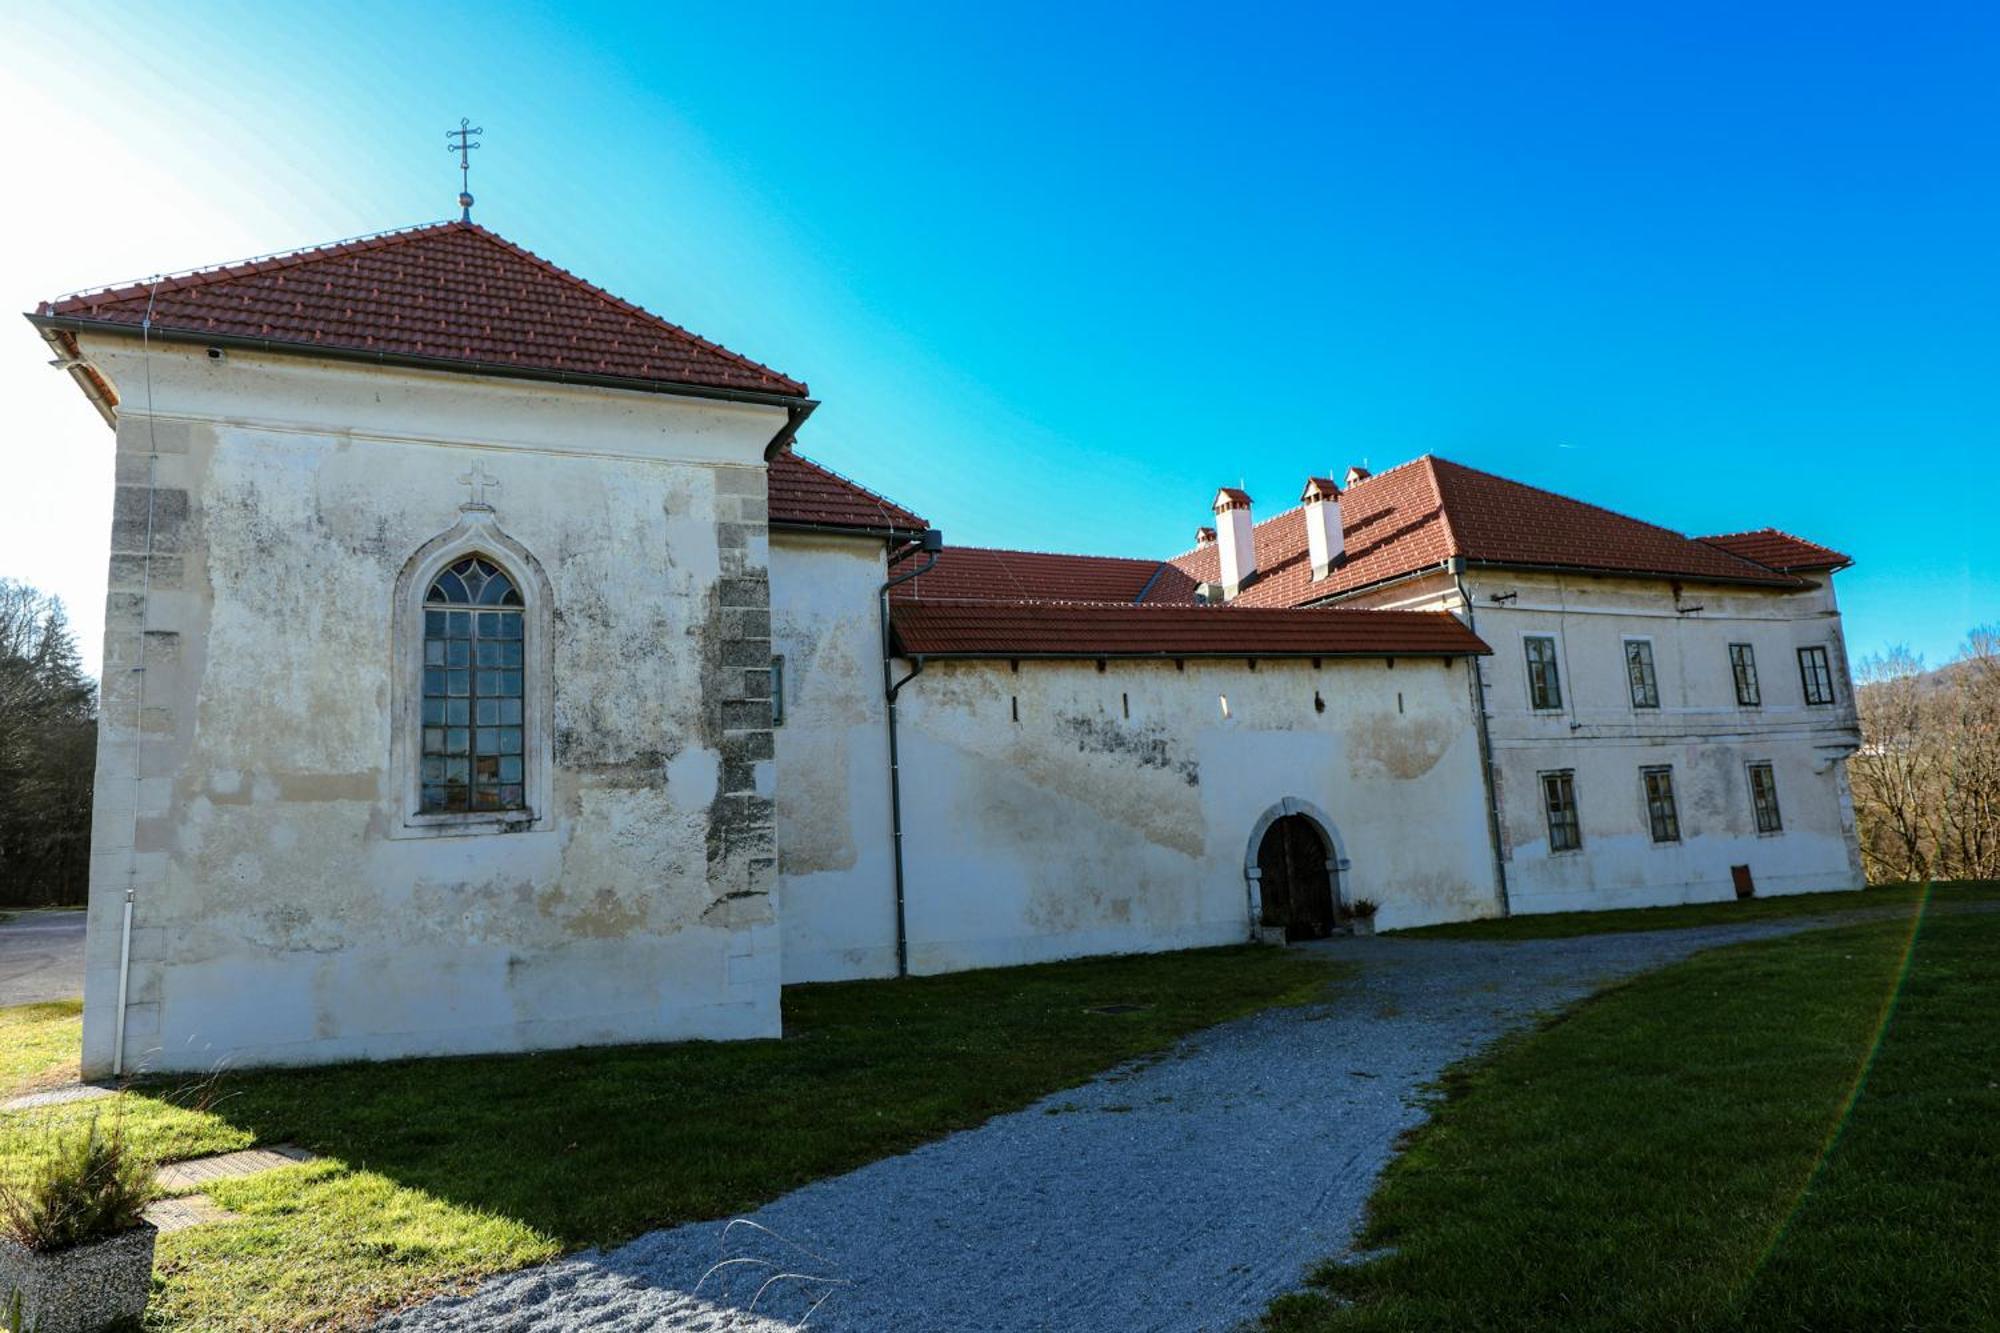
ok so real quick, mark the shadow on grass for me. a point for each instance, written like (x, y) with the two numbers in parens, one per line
(441, 1170)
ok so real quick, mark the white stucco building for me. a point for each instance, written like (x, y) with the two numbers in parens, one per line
(484, 671)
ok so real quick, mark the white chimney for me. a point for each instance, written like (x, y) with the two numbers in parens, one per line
(1355, 474)
(1324, 539)
(1235, 539)
(1203, 538)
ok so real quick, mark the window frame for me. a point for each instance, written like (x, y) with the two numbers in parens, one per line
(1824, 658)
(1561, 782)
(476, 533)
(1552, 668)
(1742, 673)
(1769, 797)
(494, 647)
(1661, 804)
(777, 690)
(1652, 673)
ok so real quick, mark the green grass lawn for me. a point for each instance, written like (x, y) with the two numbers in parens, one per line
(39, 1045)
(1720, 1145)
(436, 1172)
(1565, 925)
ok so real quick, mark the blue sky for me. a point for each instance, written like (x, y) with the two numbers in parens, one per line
(1057, 274)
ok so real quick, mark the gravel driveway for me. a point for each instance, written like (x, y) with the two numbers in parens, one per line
(1181, 1194)
(41, 957)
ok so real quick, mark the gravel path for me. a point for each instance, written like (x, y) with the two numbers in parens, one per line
(41, 957)
(1181, 1194)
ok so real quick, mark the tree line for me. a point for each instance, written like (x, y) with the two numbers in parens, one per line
(48, 752)
(1927, 777)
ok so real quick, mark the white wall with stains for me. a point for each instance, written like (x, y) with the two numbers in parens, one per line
(1057, 810)
(1698, 730)
(837, 905)
(283, 913)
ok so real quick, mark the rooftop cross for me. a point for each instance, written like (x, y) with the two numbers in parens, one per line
(464, 135)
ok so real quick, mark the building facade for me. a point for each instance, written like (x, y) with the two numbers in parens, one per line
(485, 671)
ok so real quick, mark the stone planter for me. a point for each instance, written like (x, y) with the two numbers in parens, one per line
(81, 1289)
(1361, 925)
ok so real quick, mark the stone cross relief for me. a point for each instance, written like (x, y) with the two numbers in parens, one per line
(477, 483)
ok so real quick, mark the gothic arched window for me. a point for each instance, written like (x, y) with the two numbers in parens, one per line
(472, 752)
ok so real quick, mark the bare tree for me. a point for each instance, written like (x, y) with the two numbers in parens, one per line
(1927, 777)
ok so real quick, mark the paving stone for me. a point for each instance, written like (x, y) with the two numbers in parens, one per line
(228, 1166)
(190, 1210)
(74, 1092)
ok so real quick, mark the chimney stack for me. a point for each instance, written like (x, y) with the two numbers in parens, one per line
(1204, 537)
(1355, 474)
(1235, 539)
(1324, 539)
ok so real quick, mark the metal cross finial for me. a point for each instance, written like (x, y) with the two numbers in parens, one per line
(464, 135)
(476, 484)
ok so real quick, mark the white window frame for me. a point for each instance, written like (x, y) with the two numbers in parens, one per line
(476, 533)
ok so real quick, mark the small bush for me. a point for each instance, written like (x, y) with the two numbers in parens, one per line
(89, 1187)
(1363, 907)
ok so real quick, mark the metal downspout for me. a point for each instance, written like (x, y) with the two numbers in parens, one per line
(932, 542)
(1485, 740)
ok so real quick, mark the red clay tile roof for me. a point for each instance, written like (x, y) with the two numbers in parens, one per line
(1073, 629)
(804, 494)
(452, 292)
(1416, 516)
(974, 573)
(1779, 550)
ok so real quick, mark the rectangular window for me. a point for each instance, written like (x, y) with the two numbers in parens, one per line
(1816, 674)
(778, 691)
(1743, 666)
(1559, 799)
(1661, 812)
(1764, 798)
(1544, 681)
(1639, 673)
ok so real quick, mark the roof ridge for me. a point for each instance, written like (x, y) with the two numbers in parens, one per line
(1196, 550)
(1444, 509)
(631, 307)
(236, 268)
(882, 501)
(1754, 532)
(1170, 607)
(1452, 544)
(1061, 555)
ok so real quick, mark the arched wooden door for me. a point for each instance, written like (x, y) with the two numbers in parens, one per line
(1296, 887)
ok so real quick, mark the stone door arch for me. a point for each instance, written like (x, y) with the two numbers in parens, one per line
(1292, 869)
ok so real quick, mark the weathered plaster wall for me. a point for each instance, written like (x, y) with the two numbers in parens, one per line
(836, 885)
(284, 911)
(1698, 729)
(1115, 814)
